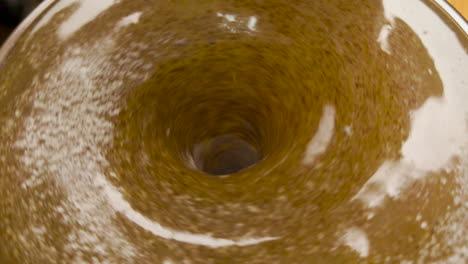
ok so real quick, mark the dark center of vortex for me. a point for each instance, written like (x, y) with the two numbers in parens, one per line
(224, 155)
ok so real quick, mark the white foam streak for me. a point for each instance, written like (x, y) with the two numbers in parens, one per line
(383, 38)
(130, 19)
(58, 6)
(86, 12)
(236, 24)
(438, 133)
(388, 180)
(119, 204)
(322, 138)
(252, 24)
(357, 239)
(228, 17)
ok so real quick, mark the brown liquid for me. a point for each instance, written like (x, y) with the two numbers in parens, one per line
(186, 75)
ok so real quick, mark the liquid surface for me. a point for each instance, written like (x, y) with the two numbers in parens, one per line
(235, 132)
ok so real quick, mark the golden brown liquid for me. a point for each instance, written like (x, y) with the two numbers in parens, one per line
(162, 110)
